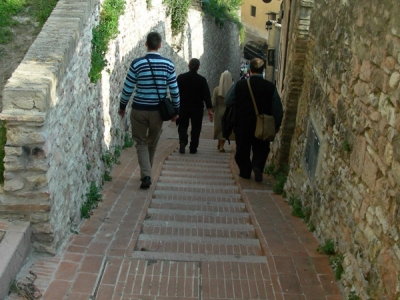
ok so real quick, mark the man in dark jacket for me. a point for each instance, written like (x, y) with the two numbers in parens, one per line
(268, 102)
(193, 90)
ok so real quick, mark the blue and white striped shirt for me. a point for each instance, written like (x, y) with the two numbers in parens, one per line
(139, 77)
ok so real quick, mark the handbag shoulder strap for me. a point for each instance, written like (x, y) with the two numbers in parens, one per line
(152, 74)
(252, 96)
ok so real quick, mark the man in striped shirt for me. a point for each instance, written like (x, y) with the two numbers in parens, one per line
(145, 117)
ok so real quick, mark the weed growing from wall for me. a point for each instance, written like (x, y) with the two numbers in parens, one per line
(337, 265)
(107, 176)
(353, 296)
(102, 34)
(280, 176)
(346, 146)
(128, 141)
(93, 197)
(336, 260)
(328, 248)
(148, 4)
(3, 140)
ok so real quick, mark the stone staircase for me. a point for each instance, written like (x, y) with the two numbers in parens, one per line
(197, 227)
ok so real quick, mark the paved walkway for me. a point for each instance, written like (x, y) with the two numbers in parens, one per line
(199, 232)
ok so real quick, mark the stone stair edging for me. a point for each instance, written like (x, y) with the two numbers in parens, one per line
(14, 249)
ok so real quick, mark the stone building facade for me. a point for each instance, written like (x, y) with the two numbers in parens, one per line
(59, 125)
(339, 80)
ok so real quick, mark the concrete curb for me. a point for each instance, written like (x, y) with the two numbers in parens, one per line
(14, 248)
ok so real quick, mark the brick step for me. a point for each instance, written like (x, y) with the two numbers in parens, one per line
(199, 245)
(199, 229)
(197, 216)
(195, 180)
(198, 170)
(162, 276)
(190, 158)
(200, 188)
(197, 175)
(197, 196)
(210, 166)
(187, 257)
(198, 205)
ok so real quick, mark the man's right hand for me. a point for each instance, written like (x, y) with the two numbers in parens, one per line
(174, 118)
(121, 112)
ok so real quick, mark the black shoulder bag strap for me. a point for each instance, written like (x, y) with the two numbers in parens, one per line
(152, 74)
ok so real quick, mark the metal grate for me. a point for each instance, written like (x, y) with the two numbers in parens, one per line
(312, 150)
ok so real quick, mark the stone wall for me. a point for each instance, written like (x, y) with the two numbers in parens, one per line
(350, 95)
(59, 125)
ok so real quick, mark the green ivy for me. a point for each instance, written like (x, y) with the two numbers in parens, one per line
(178, 10)
(102, 34)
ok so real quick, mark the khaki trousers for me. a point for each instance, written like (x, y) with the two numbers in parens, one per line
(146, 131)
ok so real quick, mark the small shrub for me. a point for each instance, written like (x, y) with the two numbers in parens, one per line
(336, 263)
(3, 140)
(328, 248)
(297, 208)
(128, 141)
(270, 170)
(92, 199)
(311, 227)
(107, 176)
(117, 151)
(109, 159)
(280, 183)
(353, 296)
(346, 146)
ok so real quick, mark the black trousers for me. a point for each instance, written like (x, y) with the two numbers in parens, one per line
(250, 152)
(194, 115)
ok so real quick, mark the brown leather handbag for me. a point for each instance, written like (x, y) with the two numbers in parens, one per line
(265, 126)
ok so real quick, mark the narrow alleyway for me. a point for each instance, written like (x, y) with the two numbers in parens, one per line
(199, 232)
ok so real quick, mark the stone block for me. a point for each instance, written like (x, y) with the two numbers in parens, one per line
(13, 185)
(369, 172)
(394, 80)
(357, 155)
(396, 149)
(19, 136)
(365, 71)
(37, 180)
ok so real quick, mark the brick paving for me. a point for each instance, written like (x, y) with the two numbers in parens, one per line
(199, 232)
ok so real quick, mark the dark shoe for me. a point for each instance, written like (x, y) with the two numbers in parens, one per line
(257, 174)
(146, 182)
(193, 151)
(182, 146)
(245, 177)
